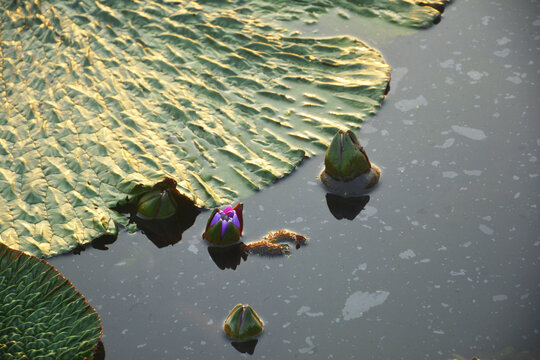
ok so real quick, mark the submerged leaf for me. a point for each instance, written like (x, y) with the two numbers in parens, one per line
(98, 97)
(42, 315)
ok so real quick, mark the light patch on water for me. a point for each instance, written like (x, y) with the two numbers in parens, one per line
(461, 272)
(397, 75)
(500, 297)
(368, 212)
(474, 134)
(361, 267)
(121, 263)
(408, 105)
(447, 63)
(486, 19)
(472, 172)
(309, 348)
(516, 79)
(449, 174)
(485, 229)
(407, 254)
(360, 302)
(193, 249)
(475, 75)
(306, 310)
(447, 143)
(502, 53)
(503, 41)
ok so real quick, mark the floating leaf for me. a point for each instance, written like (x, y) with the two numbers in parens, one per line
(42, 315)
(98, 96)
(411, 13)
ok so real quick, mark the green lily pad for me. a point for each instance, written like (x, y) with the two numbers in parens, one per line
(99, 96)
(410, 13)
(42, 315)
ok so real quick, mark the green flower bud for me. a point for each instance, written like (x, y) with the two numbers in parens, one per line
(345, 158)
(156, 204)
(243, 322)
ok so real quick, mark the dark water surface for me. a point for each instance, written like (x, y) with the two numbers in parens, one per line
(444, 257)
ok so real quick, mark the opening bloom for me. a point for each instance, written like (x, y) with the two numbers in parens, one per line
(225, 226)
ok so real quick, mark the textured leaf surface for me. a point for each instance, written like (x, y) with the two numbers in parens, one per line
(42, 316)
(100, 96)
(411, 13)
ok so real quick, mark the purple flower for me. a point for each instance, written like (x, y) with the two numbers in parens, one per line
(225, 226)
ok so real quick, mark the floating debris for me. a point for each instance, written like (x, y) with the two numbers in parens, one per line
(271, 243)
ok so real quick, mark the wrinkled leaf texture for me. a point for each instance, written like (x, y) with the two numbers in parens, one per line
(42, 316)
(98, 96)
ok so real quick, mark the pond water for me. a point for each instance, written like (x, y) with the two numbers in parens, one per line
(444, 257)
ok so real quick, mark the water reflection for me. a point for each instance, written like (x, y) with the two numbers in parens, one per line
(102, 241)
(168, 231)
(99, 351)
(245, 347)
(165, 232)
(346, 207)
(99, 243)
(228, 257)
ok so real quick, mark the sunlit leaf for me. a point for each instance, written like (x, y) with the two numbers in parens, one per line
(410, 13)
(100, 96)
(42, 316)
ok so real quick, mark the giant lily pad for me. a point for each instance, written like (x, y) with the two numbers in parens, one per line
(410, 13)
(42, 315)
(98, 96)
